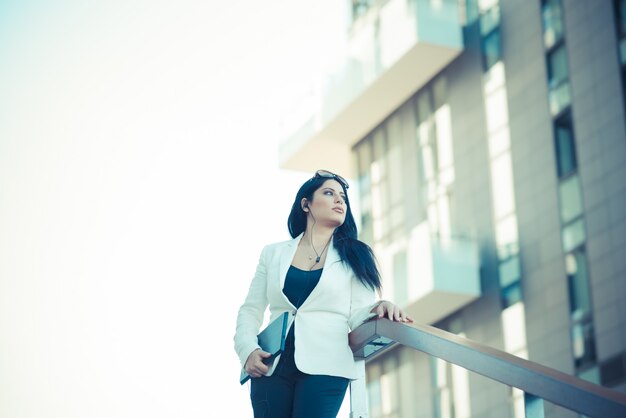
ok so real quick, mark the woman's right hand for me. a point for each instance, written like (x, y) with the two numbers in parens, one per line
(254, 364)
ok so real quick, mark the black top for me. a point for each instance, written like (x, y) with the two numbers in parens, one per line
(299, 284)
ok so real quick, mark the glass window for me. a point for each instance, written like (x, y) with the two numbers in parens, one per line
(469, 12)
(583, 344)
(578, 284)
(461, 390)
(491, 49)
(380, 151)
(445, 154)
(519, 403)
(444, 226)
(571, 198)
(499, 142)
(363, 152)
(490, 18)
(440, 385)
(394, 176)
(497, 110)
(557, 67)
(364, 160)
(511, 294)
(552, 15)
(514, 328)
(502, 186)
(573, 235)
(484, 5)
(360, 7)
(560, 98)
(564, 144)
(429, 162)
(510, 271)
(507, 238)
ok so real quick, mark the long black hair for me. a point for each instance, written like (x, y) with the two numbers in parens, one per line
(357, 254)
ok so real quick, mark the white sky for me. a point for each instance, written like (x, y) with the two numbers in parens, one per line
(139, 181)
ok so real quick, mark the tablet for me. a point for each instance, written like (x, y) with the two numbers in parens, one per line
(272, 340)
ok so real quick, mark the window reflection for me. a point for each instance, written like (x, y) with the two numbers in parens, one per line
(491, 49)
(578, 284)
(573, 235)
(497, 110)
(514, 328)
(583, 344)
(510, 271)
(486, 4)
(502, 184)
(360, 7)
(559, 98)
(571, 199)
(461, 391)
(499, 142)
(507, 239)
(552, 15)
(564, 141)
(445, 155)
(558, 84)
(511, 294)
(557, 66)
(490, 33)
(441, 389)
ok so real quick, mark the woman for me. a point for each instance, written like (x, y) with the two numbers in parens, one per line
(326, 278)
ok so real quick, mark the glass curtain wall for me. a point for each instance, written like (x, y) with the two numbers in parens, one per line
(405, 162)
(502, 190)
(573, 235)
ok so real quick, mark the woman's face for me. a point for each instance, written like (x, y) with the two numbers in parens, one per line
(329, 204)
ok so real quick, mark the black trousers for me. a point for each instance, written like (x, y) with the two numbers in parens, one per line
(290, 393)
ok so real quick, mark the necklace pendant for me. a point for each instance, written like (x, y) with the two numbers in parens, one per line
(317, 260)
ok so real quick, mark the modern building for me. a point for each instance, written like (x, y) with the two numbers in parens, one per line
(488, 143)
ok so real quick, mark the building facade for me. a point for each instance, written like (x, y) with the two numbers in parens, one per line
(488, 142)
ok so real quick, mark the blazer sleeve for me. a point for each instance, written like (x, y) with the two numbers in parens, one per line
(250, 315)
(363, 300)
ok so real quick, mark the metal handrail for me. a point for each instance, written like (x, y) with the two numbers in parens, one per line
(374, 337)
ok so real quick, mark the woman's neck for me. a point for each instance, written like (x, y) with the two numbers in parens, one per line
(318, 234)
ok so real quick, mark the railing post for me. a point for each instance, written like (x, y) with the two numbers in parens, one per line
(358, 393)
(533, 406)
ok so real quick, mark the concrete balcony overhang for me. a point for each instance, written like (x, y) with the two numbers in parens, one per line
(329, 143)
(443, 275)
(408, 50)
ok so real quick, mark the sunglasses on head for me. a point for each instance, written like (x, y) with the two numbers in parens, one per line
(328, 175)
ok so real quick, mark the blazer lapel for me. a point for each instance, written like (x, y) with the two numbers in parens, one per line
(286, 257)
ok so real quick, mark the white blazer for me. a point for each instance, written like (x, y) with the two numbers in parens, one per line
(338, 304)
